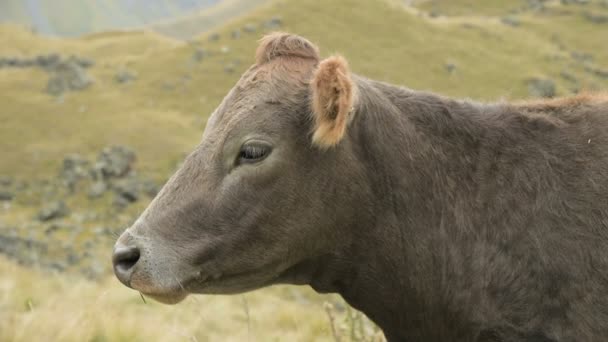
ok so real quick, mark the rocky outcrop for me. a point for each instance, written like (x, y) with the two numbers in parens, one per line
(541, 87)
(53, 210)
(114, 161)
(67, 76)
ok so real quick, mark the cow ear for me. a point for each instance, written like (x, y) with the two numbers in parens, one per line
(333, 98)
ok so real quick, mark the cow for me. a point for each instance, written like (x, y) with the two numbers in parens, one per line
(440, 219)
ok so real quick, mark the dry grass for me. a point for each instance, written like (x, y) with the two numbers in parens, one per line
(36, 306)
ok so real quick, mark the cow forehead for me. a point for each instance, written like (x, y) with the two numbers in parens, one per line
(260, 90)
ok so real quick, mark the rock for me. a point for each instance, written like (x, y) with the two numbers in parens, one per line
(9, 62)
(150, 188)
(81, 61)
(236, 34)
(128, 189)
(97, 189)
(596, 18)
(74, 168)
(511, 21)
(120, 202)
(124, 76)
(19, 248)
(450, 67)
(574, 2)
(568, 76)
(214, 37)
(115, 161)
(199, 54)
(21, 185)
(229, 68)
(581, 57)
(6, 196)
(434, 13)
(22, 63)
(536, 5)
(48, 61)
(67, 76)
(6, 180)
(52, 229)
(72, 259)
(274, 22)
(538, 87)
(250, 28)
(601, 73)
(53, 211)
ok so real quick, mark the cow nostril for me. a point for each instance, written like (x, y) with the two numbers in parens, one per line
(124, 258)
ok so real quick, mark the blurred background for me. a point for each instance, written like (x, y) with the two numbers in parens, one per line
(101, 100)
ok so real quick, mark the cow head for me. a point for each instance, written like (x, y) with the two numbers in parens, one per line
(269, 187)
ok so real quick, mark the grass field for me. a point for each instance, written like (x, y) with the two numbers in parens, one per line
(460, 48)
(35, 306)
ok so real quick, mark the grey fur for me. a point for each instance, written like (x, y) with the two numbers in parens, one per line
(442, 220)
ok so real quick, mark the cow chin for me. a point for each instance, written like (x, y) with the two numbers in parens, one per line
(165, 296)
(169, 299)
(163, 293)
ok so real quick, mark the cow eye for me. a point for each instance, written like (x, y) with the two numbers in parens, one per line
(253, 153)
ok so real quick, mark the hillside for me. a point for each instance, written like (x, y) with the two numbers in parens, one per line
(65, 101)
(175, 90)
(193, 24)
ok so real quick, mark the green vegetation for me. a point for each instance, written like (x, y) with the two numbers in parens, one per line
(471, 7)
(466, 48)
(174, 95)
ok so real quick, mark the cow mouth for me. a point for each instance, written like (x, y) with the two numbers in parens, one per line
(210, 283)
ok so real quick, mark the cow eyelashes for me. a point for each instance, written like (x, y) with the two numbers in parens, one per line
(253, 153)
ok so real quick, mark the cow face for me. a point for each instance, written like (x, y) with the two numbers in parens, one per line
(268, 187)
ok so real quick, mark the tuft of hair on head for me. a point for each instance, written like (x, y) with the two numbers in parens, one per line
(281, 44)
(333, 100)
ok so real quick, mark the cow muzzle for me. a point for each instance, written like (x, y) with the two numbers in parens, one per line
(124, 258)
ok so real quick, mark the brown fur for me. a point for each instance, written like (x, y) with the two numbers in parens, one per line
(440, 219)
(333, 96)
(585, 98)
(279, 44)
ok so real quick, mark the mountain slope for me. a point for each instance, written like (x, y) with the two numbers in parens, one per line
(161, 113)
(194, 24)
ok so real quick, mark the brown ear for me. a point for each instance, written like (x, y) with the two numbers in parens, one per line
(333, 98)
